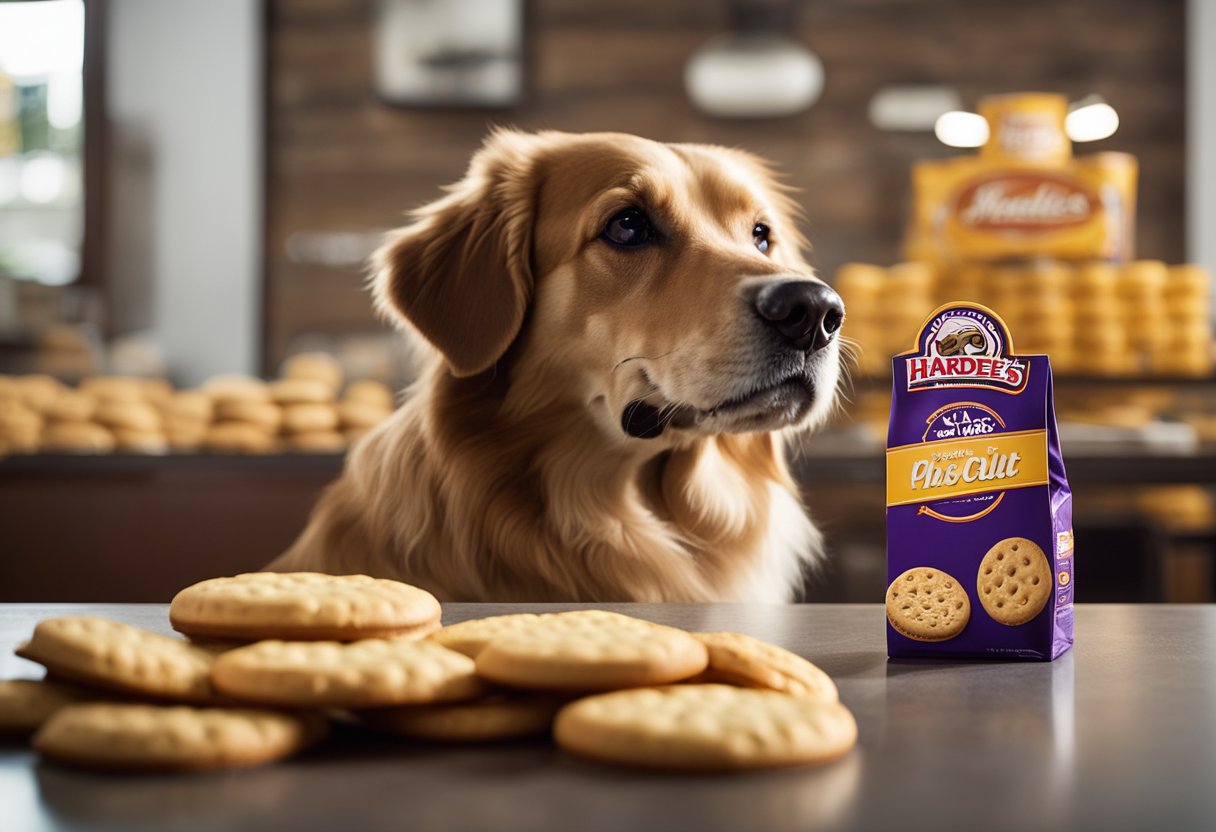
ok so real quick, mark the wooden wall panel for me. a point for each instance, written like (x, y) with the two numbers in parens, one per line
(340, 160)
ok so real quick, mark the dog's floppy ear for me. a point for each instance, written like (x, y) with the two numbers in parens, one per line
(461, 273)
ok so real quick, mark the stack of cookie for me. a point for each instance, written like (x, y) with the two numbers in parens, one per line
(1100, 331)
(300, 412)
(1186, 346)
(274, 653)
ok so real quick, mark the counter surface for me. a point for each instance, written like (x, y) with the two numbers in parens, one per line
(1118, 734)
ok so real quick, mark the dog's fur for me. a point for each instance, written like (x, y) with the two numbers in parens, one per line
(506, 474)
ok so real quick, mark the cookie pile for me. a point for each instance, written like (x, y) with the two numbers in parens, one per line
(271, 657)
(300, 412)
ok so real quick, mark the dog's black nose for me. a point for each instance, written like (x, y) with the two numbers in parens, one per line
(806, 313)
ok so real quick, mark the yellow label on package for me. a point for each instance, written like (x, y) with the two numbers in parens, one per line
(1024, 195)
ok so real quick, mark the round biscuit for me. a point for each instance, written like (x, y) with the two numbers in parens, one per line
(298, 418)
(77, 438)
(238, 438)
(705, 728)
(491, 719)
(357, 414)
(927, 604)
(37, 390)
(470, 637)
(361, 674)
(71, 406)
(317, 442)
(141, 441)
(318, 366)
(113, 388)
(117, 656)
(303, 606)
(187, 406)
(371, 392)
(155, 738)
(1014, 581)
(300, 391)
(591, 650)
(25, 704)
(738, 659)
(129, 415)
(235, 387)
(264, 415)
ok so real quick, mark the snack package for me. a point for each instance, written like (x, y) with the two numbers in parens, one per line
(1024, 195)
(979, 513)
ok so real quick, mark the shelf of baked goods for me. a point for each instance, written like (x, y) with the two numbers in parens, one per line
(308, 411)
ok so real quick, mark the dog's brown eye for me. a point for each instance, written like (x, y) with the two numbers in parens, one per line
(629, 228)
(760, 237)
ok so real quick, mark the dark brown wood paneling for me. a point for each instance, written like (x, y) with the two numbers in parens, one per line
(340, 160)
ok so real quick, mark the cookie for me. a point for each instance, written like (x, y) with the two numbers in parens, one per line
(264, 415)
(738, 659)
(356, 414)
(591, 650)
(71, 406)
(37, 390)
(1014, 581)
(490, 719)
(113, 388)
(317, 442)
(300, 391)
(238, 438)
(154, 738)
(25, 704)
(77, 438)
(926, 604)
(117, 656)
(303, 606)
(705, 728)
(309, 417)
(128, 415)
(187, 406)
(317, 366)
(371, 392)
(470, 637)
(360, 674)
(141, 441)
(236, 388)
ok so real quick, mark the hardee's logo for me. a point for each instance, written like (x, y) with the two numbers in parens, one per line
(965, 345)
(1025, 202)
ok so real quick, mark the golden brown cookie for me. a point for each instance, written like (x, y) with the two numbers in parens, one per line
(927, 604)
(300, 418)
(71, 406)
(317, 366)
(1014, 581)
(355, 414)
(738, 659)
(236, 387)
(591, 650)
(117, 656)
(130, 415)
(187, 406)
(705, 728)
(265, 415)
(238, 438)
(77, 438)
(287, 391)
(361, 674)
(471, 637)
(141, 441)
(370, 392)
(25, 704)
(155, 738)
(303, 606)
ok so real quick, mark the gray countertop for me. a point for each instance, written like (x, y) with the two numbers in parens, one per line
(1118, 734)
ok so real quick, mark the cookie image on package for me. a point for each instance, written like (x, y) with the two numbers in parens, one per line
(927, 604)
(1014, 582)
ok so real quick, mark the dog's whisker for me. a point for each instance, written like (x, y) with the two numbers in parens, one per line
(623, 361)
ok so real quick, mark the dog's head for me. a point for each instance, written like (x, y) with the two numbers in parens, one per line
(663, 285)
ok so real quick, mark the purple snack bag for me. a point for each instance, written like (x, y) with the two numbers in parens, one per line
(973, 467)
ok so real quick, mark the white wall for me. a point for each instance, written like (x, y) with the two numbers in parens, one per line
(186, 76)
(1201, 133)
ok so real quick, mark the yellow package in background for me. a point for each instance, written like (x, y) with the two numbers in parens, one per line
(1024, 195)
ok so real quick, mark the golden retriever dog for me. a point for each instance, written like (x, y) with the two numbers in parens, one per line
(621, 337)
